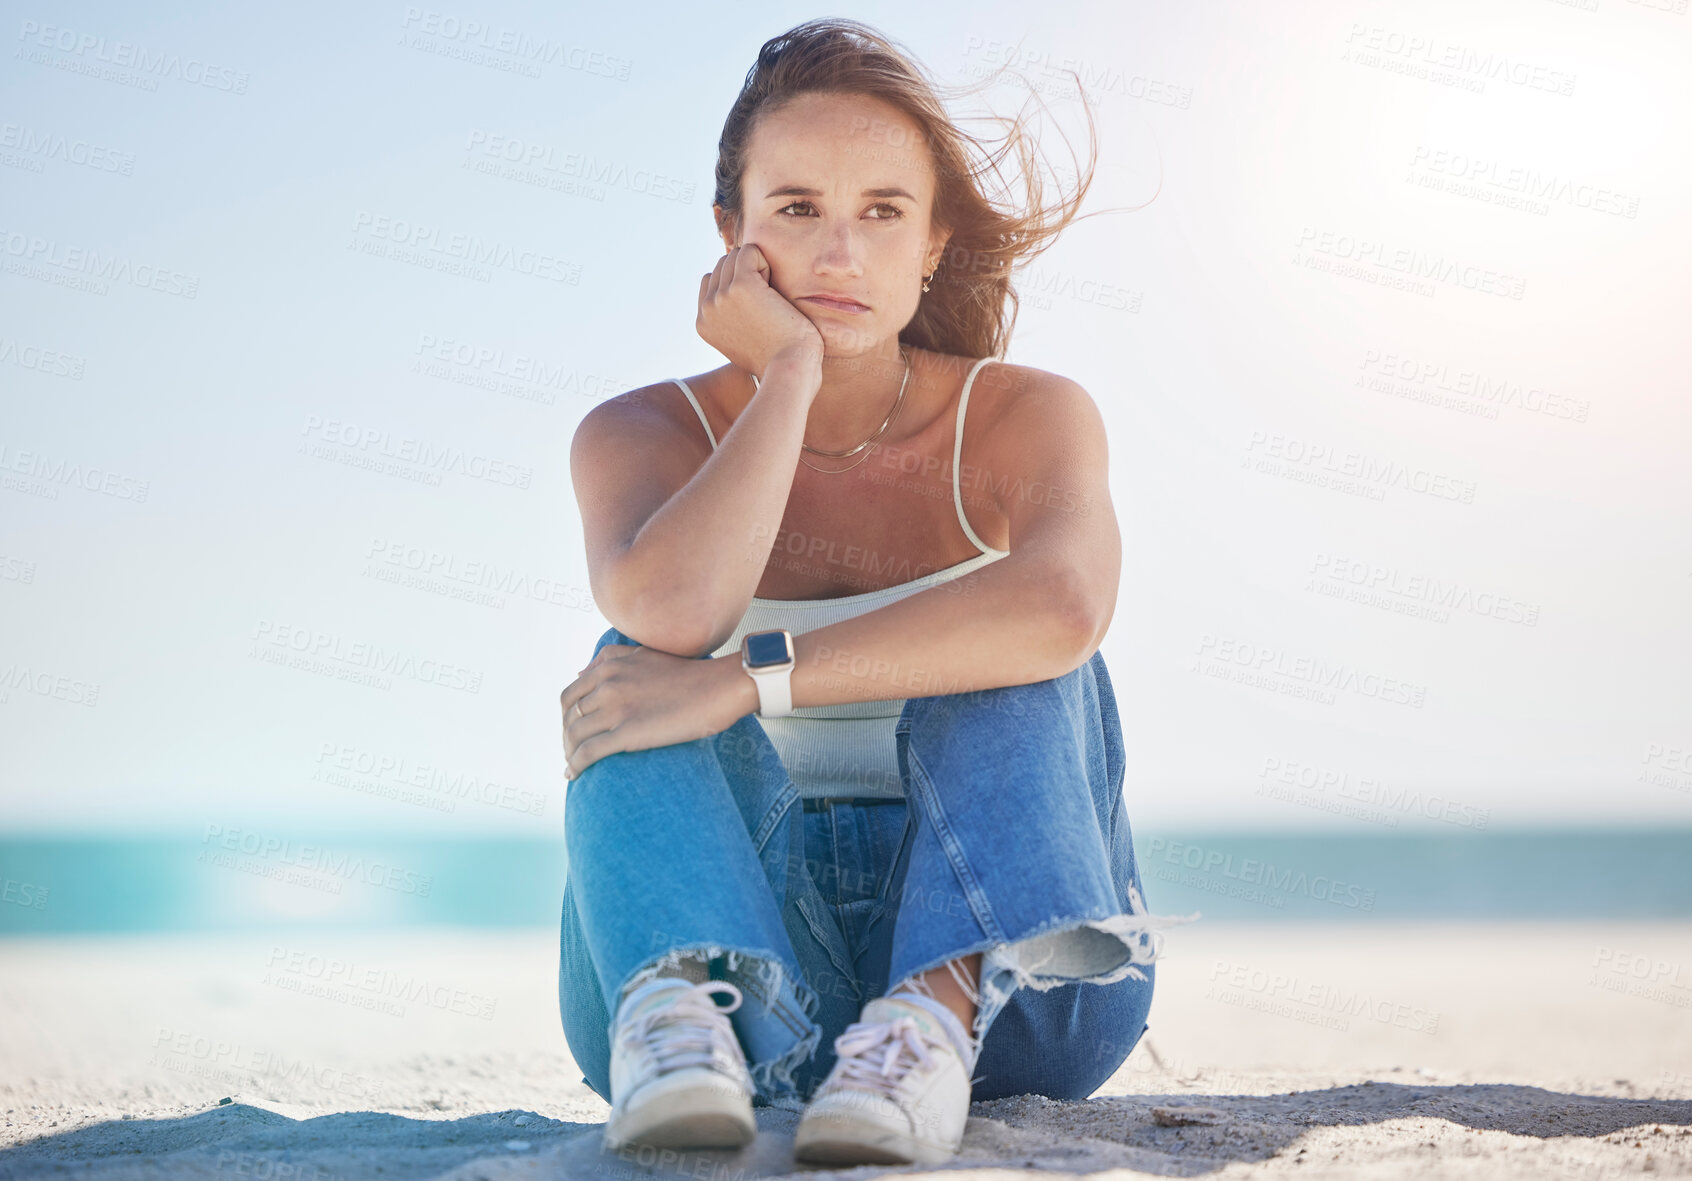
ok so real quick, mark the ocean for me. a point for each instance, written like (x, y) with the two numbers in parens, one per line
(244, 881)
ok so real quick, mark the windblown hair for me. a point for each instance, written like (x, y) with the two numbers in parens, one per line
(971, 306)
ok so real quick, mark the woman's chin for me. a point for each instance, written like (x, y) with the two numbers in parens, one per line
(845, 340)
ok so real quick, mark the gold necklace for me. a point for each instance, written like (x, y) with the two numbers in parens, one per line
(886, 422)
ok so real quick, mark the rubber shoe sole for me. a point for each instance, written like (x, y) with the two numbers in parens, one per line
(692, 1108)
(846, 1123)
(840, 1140)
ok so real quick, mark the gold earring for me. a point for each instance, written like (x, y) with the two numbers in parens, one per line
(931, 275)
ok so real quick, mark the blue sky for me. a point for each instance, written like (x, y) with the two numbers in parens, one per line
(1471, 484)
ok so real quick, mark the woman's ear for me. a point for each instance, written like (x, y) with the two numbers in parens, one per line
(725, 227)
(937, 241)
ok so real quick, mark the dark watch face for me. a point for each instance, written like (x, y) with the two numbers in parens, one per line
(765, 649)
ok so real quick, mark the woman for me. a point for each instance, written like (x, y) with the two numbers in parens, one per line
(929, 794)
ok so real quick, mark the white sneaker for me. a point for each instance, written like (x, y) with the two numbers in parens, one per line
(898, 1092)
(678, 1075)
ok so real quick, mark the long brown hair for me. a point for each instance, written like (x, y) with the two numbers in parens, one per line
(971, 305)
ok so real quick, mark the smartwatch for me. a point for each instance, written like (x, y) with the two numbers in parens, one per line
(768, 658)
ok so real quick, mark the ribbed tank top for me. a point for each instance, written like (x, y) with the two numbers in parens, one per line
(848, 749)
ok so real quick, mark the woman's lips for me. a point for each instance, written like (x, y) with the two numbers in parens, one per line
(834, 304)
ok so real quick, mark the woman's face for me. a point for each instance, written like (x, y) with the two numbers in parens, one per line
(837, 193)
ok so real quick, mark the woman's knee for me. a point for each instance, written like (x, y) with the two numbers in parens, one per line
(625, 761)
(1065, 1042)
(612, 636)
(1094, 1066)
(581, 1003)
(1011, 704)
(1109, 1034)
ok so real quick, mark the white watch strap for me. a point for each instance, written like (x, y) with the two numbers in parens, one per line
(775, 692)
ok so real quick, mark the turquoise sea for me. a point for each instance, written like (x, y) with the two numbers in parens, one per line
(222, 880)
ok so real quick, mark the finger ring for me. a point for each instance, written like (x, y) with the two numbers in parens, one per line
(578, 709)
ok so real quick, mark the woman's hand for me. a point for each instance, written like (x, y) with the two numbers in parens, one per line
(745, 318)
(636, 698)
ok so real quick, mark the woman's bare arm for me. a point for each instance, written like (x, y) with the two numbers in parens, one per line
(1037, 613)
(675, 558)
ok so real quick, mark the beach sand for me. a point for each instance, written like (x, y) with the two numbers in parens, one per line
(1548, 1050)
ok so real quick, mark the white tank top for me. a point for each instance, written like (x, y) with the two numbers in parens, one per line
(847, 749)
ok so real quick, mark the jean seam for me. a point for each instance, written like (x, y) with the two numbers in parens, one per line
(802, 902)
(774, 817)
(973, 893)
(833, 815)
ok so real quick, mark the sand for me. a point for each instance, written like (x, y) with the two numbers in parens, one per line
(1417, 1051)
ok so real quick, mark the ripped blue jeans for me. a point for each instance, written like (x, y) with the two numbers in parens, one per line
(1011, 840)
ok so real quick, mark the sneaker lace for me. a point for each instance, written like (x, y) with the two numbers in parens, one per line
(685, 1031)
(902, 1045)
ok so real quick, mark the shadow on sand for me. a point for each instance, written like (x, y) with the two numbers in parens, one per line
(243, 1141)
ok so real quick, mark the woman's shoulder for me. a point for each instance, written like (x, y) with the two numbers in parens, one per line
(1003, 390)
(659, 409)
(663, 393)
(1032, 420)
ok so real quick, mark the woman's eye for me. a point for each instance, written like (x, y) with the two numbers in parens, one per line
(894, 210)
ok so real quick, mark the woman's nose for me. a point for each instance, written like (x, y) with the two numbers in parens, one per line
(840, 247)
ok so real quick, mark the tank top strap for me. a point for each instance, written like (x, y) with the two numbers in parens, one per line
(957, 460)
(694, 402)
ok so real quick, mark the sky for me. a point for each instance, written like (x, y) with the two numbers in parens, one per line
(1389, 343)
